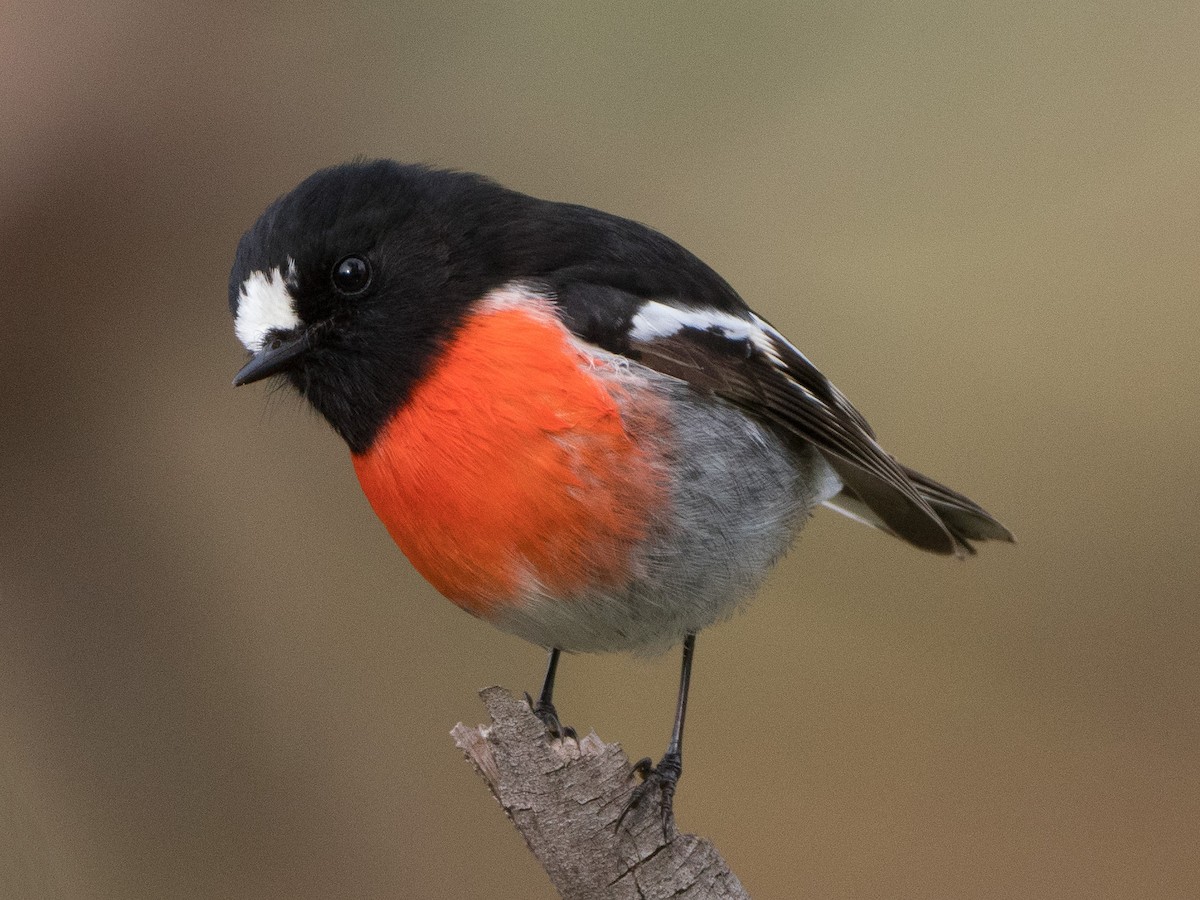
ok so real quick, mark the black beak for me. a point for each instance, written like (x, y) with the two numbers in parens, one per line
(278, 353)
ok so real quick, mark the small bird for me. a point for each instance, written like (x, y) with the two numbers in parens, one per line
(570, 425)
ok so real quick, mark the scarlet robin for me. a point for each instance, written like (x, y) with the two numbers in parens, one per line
(570, 425)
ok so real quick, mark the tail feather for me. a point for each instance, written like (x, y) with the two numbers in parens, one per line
(962, 517)
(966, 519)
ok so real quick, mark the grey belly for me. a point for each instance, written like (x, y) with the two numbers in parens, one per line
(739, 494)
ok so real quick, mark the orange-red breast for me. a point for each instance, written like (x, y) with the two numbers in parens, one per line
(572, 427)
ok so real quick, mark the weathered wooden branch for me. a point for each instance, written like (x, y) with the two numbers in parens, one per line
(565, 796)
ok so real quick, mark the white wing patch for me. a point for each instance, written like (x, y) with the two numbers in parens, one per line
(768, 329)
(265, 305)
(660, 320)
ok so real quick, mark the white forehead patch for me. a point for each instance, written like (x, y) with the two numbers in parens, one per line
(264, 306)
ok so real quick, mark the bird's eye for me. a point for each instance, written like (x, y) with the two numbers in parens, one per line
(351, 275)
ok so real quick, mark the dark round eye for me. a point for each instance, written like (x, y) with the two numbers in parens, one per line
(351, 275)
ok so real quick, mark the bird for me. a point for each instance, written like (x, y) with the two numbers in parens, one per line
(570, 425)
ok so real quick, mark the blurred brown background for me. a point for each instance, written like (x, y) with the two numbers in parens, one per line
(219, 679)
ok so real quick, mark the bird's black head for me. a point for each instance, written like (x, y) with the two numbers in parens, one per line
(348, 284)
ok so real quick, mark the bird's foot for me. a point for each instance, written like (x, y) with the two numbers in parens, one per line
(660, 779)
(549, 716)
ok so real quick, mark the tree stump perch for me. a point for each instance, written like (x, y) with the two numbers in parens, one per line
(565, 795)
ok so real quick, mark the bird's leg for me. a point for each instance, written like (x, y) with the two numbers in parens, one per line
(665, 775)
(544, 708)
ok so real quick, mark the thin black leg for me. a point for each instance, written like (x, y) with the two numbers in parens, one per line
(666, 774)
(547, 697)
(685, 682)
(544, 708)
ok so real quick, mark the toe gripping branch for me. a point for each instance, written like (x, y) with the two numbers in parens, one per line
(661, 779)
(544, 708)
(549, 716)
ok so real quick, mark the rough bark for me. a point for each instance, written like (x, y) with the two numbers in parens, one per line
(565, 796)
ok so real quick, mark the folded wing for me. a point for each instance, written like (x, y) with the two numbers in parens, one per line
(738, 356)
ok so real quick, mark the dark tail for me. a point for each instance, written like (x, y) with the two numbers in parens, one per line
(962, 517)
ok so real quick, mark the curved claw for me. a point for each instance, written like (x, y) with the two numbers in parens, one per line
(549, 716)
(661, 778)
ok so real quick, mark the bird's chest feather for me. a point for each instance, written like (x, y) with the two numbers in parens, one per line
(510, 470)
